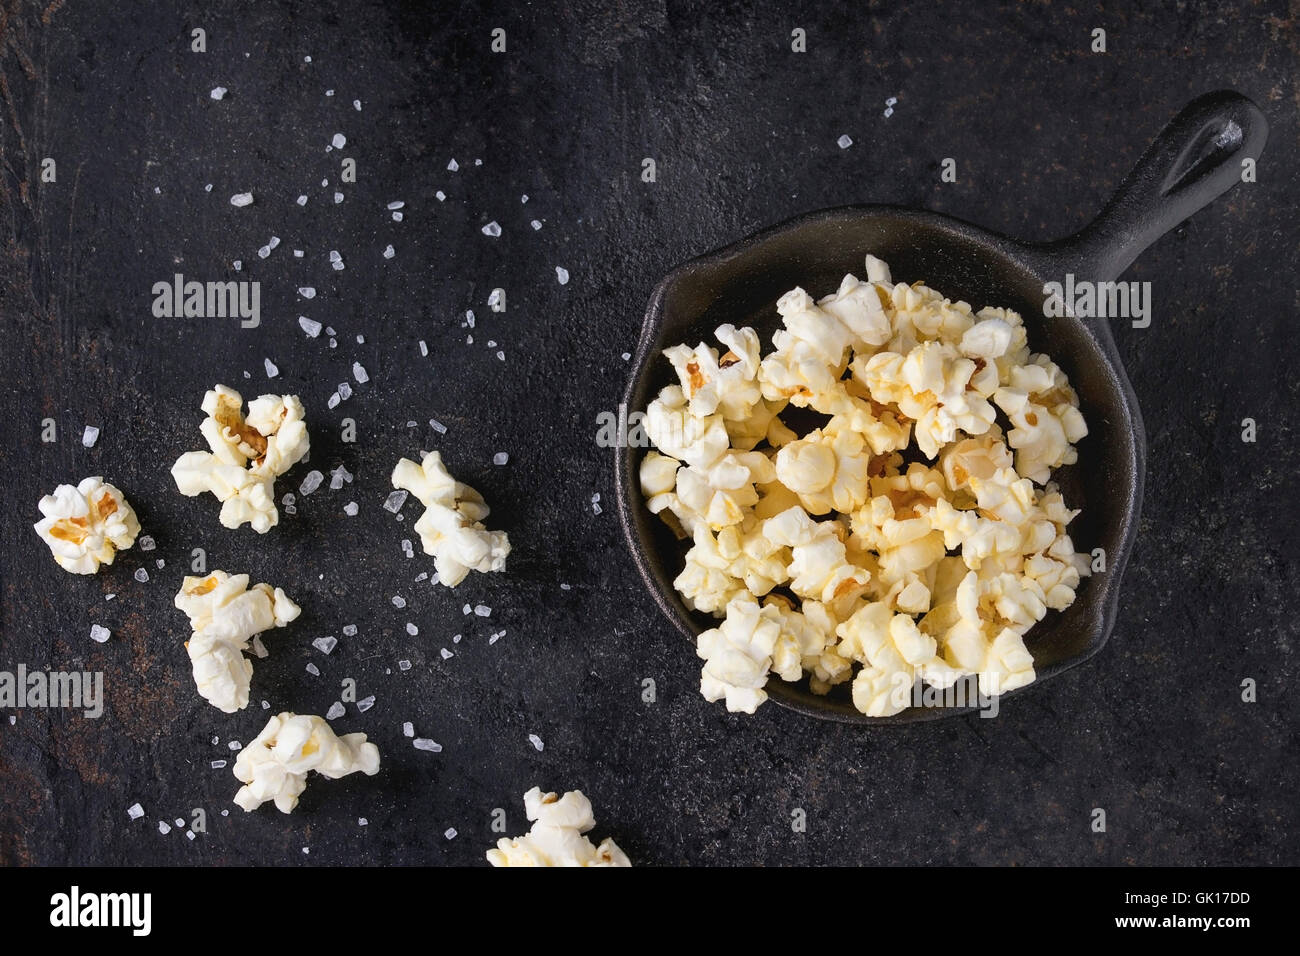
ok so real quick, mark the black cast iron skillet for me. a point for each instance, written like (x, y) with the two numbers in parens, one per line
(1194, 160)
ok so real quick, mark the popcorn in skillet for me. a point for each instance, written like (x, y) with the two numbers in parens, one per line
(247, 454)
(225, 614)
(926, 573)
(275, 765)
(556, 837)
(451, 528)
(85, 526)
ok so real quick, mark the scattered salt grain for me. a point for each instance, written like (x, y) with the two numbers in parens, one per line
(562, 275)
(356, 105)
(451, 833)
(338, 198)
(217, 764)
(365, 703)
(361, 340)
(524, 198)
(424, 743)
(496, 637)
(495, 298)
(90, 436)
(388, 251)
(408, 729)
(189, 834)
(266, 705)
(492, 229)
(397, 217)
(241, 199)
(235, 745)
(482, 610)
(350, 509)
(263, 252)
(424, 348)
(164, 828)
(307, 292)
(336, 711)
(423, 575)
(310, 326)
(595, 503)
(536, 225)
(238, 264)
(467, 609)
(259, 649)
(455, 638)
(412, 629)
(403, 665)
(297, 253)
(626, 356)
(325, 644)
(313, 670)
(442, 196)
(141, 575)
(147, 543)
(446, 654)
(99, 634)
(339, 141)
(536, 741)
(500, 458)
(302, 201)
(160, 564)
(362, 821)
(437, 426)
(135, 811)
(501, 356)
(359, 373)
(395, 500)
(180, 822)
(349, 630)
(845, 141)
(311, 482)
(345, 391)
(336, 260)
(453, 166)
(272, 370)
(399, 602)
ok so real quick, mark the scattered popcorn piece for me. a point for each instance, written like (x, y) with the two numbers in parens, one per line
(556, 836)
(451, 528)
(225, 614)
(247, 454)
(274, 766)
(86, 525)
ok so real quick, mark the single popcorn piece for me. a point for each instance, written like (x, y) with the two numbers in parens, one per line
(556, 837)
(225, 615)
(247, 454)
(832, 553)
(86, 525)
(274, 766)
(451, 528)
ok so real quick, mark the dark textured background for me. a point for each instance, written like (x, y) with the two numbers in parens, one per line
(744, 133)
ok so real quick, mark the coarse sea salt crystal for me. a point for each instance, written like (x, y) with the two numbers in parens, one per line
(482, 610)
(336, 711)
(141, 575)
(524, 198)
(495, 298)
(626, 355)
(259, 649)
(333, 400)
(164, 828)
(349, 630)
(218, 92)
(359, 373)
(536, 225)
(362, 822)
(217, 764)
(302, 201)
(313, 670)
(424, 348)
(424, 743)
(441, 196)
(500, 458)
(492, 229)
(263, 252)
(388, 251)
(241, 199)
(536, 741)
(423, 575)
(266, 705)
(408, 729)
(365, 703)
(412, 629)
(361, 340)
(501, 356)
(180, 821)
(235, 745)
(356, 105)
(437, 426)
(146, 543)
(350, 509)
(845, 141)
(325, 644)
(455, 638)
(345, 391)
(90, 436)
(450, 833)
(338, 198)
(310, 326)
(453, 165)
(135, 811)
(160, 564)
(396, 204)
(395, 500)
(399, 602)
(562, 275)
(397, 217)
(446, 654)
(403, 665)
(239, 265)
(99, 634)
(311, 482)
(339, 141)
(272, 370)
(307, 292)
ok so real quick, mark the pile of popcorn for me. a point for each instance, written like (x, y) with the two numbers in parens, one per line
(831, 554)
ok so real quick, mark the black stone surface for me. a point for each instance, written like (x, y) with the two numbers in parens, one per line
(744, 133)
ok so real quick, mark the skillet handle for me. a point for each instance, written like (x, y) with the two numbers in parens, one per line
(1195, 159)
